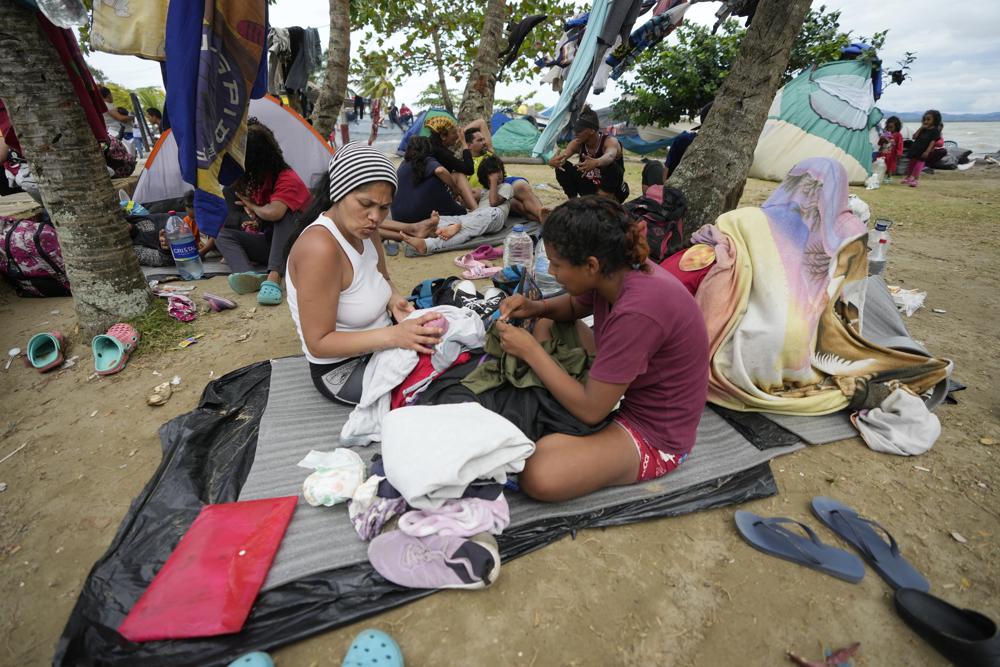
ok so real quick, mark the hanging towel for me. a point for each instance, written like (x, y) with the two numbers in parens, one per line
(305, 58)
(433, 453)
(216, 62)
(130, 28)
(902, 425)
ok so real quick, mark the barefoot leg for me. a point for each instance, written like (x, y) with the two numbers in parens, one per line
(415, 242)
(448, 231)
(526, 196)
(424, 228)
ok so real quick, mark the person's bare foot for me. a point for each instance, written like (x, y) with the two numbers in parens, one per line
(415, 242)
(427, 227)
(449, 231)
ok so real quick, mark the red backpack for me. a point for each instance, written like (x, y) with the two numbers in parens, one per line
(663, 210)
(30, 257)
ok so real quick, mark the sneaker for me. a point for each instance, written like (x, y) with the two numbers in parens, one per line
(435, 561)
(489, 303)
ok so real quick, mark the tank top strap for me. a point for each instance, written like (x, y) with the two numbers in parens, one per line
(353, 255)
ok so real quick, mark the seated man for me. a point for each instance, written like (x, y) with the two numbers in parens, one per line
(489, 216)
(601, 169)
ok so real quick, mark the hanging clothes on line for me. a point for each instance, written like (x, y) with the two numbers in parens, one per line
(649, 34)
(130, 28)
(216, 62)
(516, 34)
(279, 57)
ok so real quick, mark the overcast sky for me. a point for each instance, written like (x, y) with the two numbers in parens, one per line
(957, 67)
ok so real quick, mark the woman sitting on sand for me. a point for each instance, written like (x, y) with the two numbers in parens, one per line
(339, 292)
(651, 354)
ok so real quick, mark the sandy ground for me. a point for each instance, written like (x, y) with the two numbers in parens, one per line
(681, 591)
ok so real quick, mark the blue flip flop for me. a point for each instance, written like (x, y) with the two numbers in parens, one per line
(373, 648)
(391, 248)
(860, 533)
(772, 537)
(269, 293)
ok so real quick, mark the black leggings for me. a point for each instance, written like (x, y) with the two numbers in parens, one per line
(341, 382)
(574, 184)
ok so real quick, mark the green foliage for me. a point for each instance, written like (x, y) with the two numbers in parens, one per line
(373, 76)
(151, 96)
(457, 26)
(431, 97)
(120, 95)
(675, 81)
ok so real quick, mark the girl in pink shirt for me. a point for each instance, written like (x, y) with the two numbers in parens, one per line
(650, 347)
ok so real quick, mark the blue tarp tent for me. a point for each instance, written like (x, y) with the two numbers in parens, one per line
(498, 120)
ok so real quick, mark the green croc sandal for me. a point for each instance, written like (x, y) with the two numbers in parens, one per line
(246, 283)
(269, 294)
(45, 351)
(373, 648)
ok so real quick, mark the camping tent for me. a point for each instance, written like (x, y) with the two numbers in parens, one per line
(418, 126)
(516, 137)
(304, 149)
(826, 111)
(498, 120)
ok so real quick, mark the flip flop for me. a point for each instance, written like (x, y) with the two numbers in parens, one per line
(860, 534)
(467, 261)
(391, 248)
(481, 272)
(218, 303)
(45, 351)
(486, 251)
(772, 537)
(373, 647)
(965, 637)
(269, 294)
(112, 350)
(247, 282)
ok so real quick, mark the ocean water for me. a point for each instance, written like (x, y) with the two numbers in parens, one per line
(980, 138)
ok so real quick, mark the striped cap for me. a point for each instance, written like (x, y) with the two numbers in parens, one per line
(358, 164)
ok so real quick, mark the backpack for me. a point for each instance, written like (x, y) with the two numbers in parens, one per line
(117, 157)
(664, 222)
(30, 257)
(433, 292)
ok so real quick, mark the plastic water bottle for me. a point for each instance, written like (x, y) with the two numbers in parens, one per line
(879, 239)
(183, 248)
(518, 249)
(546, 283)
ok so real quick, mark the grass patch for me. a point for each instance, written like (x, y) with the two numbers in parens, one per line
(159, 332)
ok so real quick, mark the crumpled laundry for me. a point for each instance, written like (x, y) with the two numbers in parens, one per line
(369, 511)
(337, 475)
(902, 425)
(462, 517)
(433, 453)
(388, 368)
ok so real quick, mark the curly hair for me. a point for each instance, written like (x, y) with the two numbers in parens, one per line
(595, 226)
(264, 158)
(418, 149)
(490, 164)
(935, 117)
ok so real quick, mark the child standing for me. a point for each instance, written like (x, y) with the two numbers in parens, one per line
(890, 145)
(923, 143)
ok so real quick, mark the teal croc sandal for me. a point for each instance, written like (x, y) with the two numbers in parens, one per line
(373, 648)
(45, 351)
(255, 659)
(269, 294)
(246, 283)
(111, 350)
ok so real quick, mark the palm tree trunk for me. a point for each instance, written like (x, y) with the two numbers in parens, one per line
(338, 56)
(68, 165)
(714, 170)
(477, 101)
(442, 82)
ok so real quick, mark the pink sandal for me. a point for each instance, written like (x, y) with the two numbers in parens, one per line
(111, 350)
(485, 252)
(480, 271)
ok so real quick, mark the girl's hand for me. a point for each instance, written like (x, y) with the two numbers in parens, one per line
(399, 308)
(413, 334)
(517, 341)
(517, 307)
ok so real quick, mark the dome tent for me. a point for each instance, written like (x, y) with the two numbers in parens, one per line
(418, 129)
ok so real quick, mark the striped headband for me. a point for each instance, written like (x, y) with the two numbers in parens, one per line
(358, 164)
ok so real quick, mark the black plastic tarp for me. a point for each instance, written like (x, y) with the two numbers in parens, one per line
(207, 454)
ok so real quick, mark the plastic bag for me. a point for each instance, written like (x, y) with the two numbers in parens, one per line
(907, 301)
(337, 474)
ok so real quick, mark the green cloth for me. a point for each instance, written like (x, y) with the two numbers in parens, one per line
(503, 368)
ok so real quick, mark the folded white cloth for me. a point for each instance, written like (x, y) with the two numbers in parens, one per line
(901, 425)
(388, 368)
(433, 452)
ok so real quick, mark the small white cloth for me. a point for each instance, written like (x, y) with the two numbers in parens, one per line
(902, 425)
(433, 452)
(388, 368)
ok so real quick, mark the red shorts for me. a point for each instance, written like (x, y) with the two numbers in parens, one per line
(653, 462)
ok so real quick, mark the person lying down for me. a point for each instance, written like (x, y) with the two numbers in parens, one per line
(651, 354)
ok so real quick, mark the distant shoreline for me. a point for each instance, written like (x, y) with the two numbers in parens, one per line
(916, 116)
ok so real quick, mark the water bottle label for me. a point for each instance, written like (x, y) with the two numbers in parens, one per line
(184, 250)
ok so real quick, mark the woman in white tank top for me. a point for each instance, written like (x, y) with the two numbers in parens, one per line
(340, 295)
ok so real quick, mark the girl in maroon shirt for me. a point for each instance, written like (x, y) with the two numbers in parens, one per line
(650, 347)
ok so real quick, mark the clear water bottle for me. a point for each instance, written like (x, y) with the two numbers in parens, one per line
(879, 242)
(546, 283)
(518, 249)
(183, 248)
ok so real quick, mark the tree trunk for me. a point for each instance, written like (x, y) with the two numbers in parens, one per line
(67, 163)
(714, 170)
(442, 82)
(477, 101)
(338, 57)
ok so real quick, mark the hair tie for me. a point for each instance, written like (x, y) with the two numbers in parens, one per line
(636, 266)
